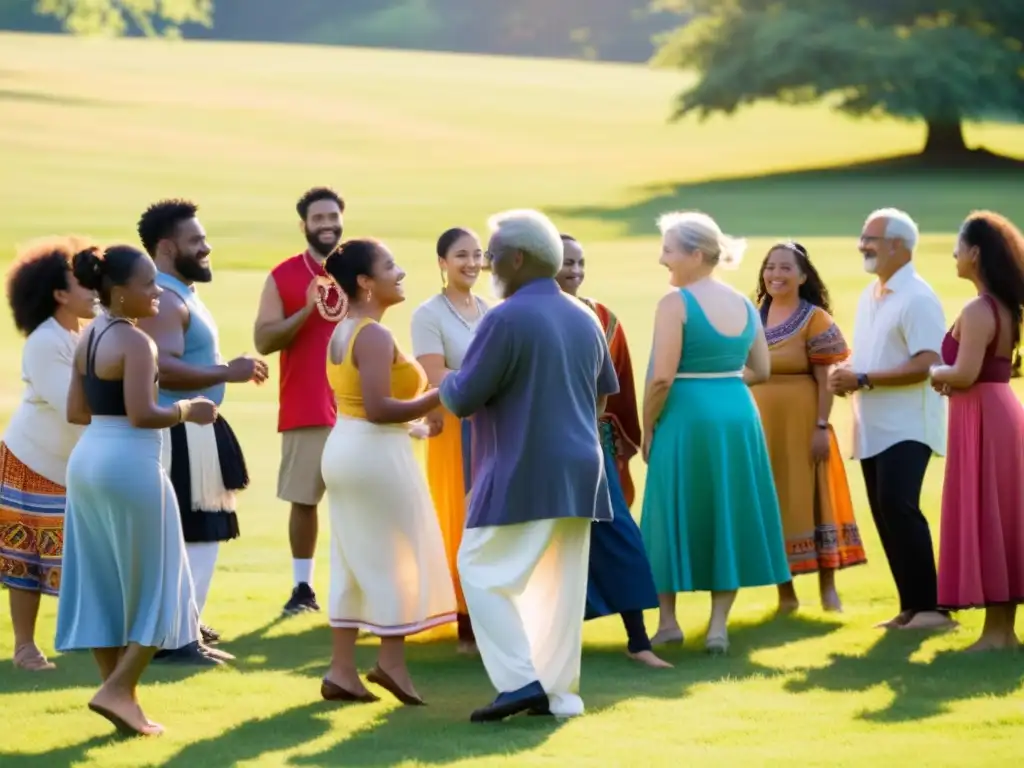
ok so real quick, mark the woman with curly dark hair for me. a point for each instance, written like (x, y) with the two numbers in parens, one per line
(795, 404)
(49, 305)
(981, 550)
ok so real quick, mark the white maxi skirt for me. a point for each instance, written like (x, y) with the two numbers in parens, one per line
(389, 571)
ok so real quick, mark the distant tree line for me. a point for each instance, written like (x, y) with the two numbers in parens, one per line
(608, 30)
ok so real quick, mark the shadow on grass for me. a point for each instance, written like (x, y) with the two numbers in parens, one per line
(920, 689)
(826, 202)
(71, 755)
(440, 732)
(51, 99)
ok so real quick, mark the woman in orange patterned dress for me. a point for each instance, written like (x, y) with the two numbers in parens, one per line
(49, 305)
(795, 404)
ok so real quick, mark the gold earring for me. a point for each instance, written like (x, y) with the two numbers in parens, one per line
(369, 294)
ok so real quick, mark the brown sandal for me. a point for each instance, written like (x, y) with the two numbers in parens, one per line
(378, 676)
(29, 657)
(331, 691)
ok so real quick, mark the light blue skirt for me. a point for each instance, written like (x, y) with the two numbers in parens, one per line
(125, 577)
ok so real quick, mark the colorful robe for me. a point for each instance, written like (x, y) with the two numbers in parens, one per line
(620, 424)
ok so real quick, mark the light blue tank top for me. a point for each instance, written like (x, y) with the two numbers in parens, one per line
(202, 347)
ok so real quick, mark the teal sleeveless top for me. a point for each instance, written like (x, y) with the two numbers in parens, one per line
(202, 346)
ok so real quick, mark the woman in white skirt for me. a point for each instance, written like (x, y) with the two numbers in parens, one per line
(389, 573)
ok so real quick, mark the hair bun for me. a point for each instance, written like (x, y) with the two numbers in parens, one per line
(89, 267)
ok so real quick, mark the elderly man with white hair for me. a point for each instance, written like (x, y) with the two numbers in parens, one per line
(535, 379)
(899, 420)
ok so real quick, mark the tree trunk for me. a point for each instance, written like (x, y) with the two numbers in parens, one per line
(945, 139)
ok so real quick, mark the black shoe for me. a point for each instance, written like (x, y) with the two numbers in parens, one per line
(303, 599)
(526, 699)
(188, 654)
(210, 636)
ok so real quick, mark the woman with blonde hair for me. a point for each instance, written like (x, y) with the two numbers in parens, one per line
(710, 517)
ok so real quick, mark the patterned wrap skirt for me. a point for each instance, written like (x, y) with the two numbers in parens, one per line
(31, 527)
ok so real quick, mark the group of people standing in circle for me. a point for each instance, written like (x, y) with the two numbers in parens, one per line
(521, 528)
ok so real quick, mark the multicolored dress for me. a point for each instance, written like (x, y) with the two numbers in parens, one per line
(33, 464)
(620, 425)
(814, 497)
(981, 549)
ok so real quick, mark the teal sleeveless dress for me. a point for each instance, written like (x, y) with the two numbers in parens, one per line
(711, 519)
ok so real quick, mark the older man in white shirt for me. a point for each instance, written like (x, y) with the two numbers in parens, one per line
(899, 420)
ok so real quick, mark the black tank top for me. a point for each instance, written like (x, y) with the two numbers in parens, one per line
(104, 396)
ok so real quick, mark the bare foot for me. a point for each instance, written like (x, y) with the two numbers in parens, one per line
(830, 602)
(787, 607)
(929, 620)
(123, 713)
(666, 635)
(650, 659)
(467, 648)
(896, 622)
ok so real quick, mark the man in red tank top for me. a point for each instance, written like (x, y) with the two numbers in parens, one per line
(297, 314)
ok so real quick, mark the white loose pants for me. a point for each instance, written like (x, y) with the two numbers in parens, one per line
(526, 590)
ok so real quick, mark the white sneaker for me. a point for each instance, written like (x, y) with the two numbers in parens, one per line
(565, 704)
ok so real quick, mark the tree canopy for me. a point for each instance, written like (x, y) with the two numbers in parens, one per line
(116, 17)
(941, 61)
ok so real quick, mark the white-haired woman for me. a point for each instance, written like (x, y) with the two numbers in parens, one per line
(711, 519)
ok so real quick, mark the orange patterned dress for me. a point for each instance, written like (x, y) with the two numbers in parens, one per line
(817, 513)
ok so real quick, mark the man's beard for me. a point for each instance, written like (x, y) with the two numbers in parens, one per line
(315, 245)
(190, 269)
(499, 288)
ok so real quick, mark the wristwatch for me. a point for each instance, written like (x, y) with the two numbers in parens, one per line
(863, 382)
(822, 424)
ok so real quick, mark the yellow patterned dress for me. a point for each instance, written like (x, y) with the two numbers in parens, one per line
(817, 513)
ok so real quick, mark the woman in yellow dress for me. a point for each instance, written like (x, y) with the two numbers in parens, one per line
(442, 328)
(389, 575)
(795, 404)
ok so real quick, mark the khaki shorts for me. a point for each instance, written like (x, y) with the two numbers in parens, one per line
(299, 480)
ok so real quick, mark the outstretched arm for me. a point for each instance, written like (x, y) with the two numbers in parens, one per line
(484, 371)
(167, 329)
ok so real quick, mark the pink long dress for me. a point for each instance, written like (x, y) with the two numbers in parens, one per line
(981, 548)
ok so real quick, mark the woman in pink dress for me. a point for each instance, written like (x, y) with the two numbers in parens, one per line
(981, 552)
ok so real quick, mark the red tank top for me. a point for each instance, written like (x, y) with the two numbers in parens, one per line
(305, 398)
(994, 369)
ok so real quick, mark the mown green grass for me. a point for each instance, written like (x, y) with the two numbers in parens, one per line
(93, 131)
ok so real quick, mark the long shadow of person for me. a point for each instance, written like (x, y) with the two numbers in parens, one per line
(73, 754)
(921, 689)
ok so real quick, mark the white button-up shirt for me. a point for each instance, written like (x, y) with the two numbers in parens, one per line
(894, 323)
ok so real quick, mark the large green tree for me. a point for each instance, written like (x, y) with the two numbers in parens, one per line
(941, 61)
(116, 17)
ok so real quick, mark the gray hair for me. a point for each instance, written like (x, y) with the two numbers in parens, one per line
(530, 232)
(898, 226)
(695, 231)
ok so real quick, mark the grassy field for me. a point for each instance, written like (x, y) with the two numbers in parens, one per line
(93, 131)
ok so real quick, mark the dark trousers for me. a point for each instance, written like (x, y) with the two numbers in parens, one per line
(893, 479)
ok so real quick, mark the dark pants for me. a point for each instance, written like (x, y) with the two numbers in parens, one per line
(465, 628)
(893, 480)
